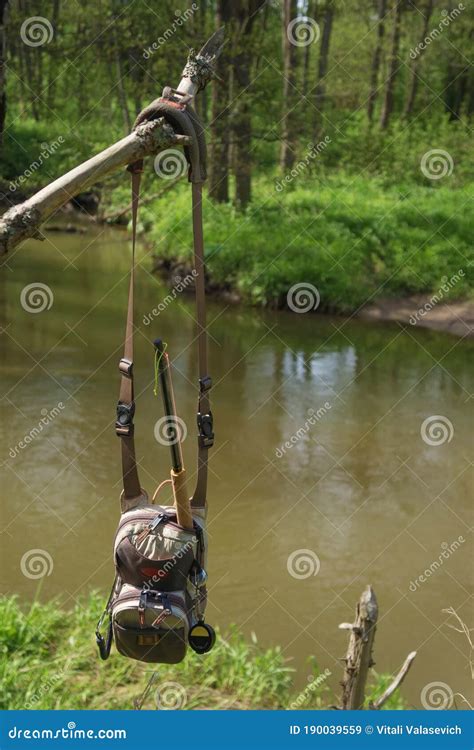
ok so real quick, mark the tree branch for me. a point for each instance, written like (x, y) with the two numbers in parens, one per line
(396, 683)
(24, 220)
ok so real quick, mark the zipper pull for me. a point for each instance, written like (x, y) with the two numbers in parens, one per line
(141, 609)
(160, 518)
(164, 612)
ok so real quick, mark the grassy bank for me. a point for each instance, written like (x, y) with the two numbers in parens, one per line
(48, 660)
(353, 238)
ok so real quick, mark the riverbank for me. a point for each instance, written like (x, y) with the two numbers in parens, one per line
(340, 244)
(48, 660)
(352, 243)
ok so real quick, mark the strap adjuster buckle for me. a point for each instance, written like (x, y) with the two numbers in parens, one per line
(126, 367)
(124, 422)
(205, 384)
(206, 429)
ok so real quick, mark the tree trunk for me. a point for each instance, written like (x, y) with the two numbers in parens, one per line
(220, 137)
(3, 95)
(320, 90)
(413, 85)
(306, 52)
(52, 68)
(394, 67)
(245, 15)
(359, 653)
(374, 72)
(287, 150)
(122, 94)
(31, 87)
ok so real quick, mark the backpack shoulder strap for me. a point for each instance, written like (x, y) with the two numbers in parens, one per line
(204, 414)
(132, 494)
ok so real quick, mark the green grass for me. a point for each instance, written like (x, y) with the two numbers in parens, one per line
(351, 237)
(48, 660)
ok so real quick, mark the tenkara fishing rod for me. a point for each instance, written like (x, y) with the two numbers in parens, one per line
(173, 437)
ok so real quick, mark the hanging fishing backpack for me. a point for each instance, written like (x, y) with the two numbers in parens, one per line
(158, 598)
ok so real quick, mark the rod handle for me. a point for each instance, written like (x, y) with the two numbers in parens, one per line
(181, 499)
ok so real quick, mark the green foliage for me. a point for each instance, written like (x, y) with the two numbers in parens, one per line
(346, 235)
(48, 660)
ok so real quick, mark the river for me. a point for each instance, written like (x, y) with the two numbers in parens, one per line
(357, 495)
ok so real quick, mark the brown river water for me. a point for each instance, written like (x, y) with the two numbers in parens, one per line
(364, 491)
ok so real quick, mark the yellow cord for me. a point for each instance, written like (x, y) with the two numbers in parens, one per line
(158, 356)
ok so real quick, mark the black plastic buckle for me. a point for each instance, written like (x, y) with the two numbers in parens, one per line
(124, 422)
(206, 429)
(126, 367)
(205, 384)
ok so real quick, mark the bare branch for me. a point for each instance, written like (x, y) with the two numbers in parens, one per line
(24, 220)
(396, 683)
